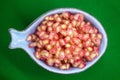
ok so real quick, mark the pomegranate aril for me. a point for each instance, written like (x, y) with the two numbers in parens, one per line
(29, 38)
(82, 65)
(67, 45)
(37, 54)
(57, 29)
(62, 42)
(76, 40)
(97, 41)
(49, 29)
(86, 36)
(95, 30)
(79, 17)
(45, 42)
(51, 35)
(57, 44)
(66, 22)
(81, 53)
(67, 39)
(44, 22)
(56, 25)
(39, 44)
(55, 16)
(57, 63)
(65, 66)
(63, 26)
(96, 48)
(33, 44)
(56, 37)
(87, 53)
(62, 55)
(63, 32)
(76, 63)
(58, 19)
(45, 54)
(66, 15)
(50, 61)
(99, 36)
(43, 27)
(70, 32)
(39, 29)
(52, 51)
(89, 48)
(48, 47)
(52, 43)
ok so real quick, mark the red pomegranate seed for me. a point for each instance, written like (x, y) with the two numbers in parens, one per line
(62, 42)
(82, 65)
(37, 55)
(33, 44)
(67, 39)
(66, 15)
(50, 61)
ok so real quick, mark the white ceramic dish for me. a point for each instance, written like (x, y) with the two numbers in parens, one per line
(18, 40)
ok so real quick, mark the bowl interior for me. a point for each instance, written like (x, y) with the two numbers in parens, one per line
(90, 18)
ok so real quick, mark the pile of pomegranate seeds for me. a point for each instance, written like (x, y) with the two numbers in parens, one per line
(65, 40)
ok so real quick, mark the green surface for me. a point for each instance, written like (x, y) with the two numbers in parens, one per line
(17, 65)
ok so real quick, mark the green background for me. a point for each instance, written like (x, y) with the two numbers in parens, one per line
(17, 65)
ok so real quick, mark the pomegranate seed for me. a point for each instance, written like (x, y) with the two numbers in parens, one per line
(55, 25)
(39, 29)
(33, 44)
(76, 63)
(67, 45)
(44, 54)
(82, 65)
(57, 44)
(45, 42)
(85, 37)
(63, 32)
(50, 61)
(56, 37)
(66, 22)
(66, 15)
(58, 29)
(74, 23)
(55, 16)
(44, 22)
(53, 51)
(58, 19)
(79, 17)
(76, 40)
(81, 53)
(52, 43)
(29, 38)
(51, 35)
(62, 42)
(95, 30)
(87, 53)
(96, 48)
(61, 55)
(67, 39)
(39, 44)
(37, 55)
(48, 47)
(99, 36)
(63, 26)
(43, 27)
(89, 48)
